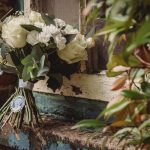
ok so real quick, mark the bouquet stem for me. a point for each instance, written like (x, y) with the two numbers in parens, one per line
(20, 109)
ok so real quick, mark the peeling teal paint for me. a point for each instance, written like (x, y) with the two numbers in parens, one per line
(22, 144)
(68, 108)
(25, 144)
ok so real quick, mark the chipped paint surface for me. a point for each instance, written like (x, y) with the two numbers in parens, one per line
(68, 108)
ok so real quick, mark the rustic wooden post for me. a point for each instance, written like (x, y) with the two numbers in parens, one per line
(82, 27)
(27, 7)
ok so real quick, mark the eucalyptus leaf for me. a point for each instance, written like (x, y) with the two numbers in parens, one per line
(42, 72)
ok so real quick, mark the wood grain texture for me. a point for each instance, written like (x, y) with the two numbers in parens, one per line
(67, 10)
(95, 87)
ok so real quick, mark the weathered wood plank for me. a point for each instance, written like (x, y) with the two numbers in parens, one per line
(95, 87)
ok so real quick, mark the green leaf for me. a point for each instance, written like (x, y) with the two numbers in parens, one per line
(113, 74)
(91, 32)
(142, 36)
(145, 86)
(16, 62)
(31, 28)
(43, 71)
(55, 81)
(114, 108)
(146, 140)
(89, 123)
(27, 60)
(134, 95)
(69, 37)
(132, 61)
(132, 131)
(145, 124)
(116, 60)
(14, 58)
(94, 14)
(25, 74)
(37, 52)
(48, 20)
(42, 61)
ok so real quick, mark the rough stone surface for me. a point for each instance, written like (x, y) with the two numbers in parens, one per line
(58, 135)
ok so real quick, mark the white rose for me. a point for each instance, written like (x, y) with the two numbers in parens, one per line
(33, 38)
(44, 38)
(13, 34)
(60, 42)
(75, 50)
(35, 17)
(59, 23)
(69, 30)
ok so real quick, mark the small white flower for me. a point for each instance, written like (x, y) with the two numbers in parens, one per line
(60, 41)
(51, 29)
(69, 30)
(33, 38)
(47, 33)
(39, 24)
(44, 38)
(59, 23)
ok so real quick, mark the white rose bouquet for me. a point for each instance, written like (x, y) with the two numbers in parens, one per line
(34, 47)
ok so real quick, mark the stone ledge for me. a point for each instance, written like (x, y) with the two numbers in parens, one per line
(63, 131)
(57, 130)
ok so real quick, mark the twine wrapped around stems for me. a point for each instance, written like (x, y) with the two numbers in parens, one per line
(20, 107)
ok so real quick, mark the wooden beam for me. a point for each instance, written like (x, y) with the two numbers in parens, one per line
(96, 87)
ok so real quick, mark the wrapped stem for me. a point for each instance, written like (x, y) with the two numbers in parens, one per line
(20, 108)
